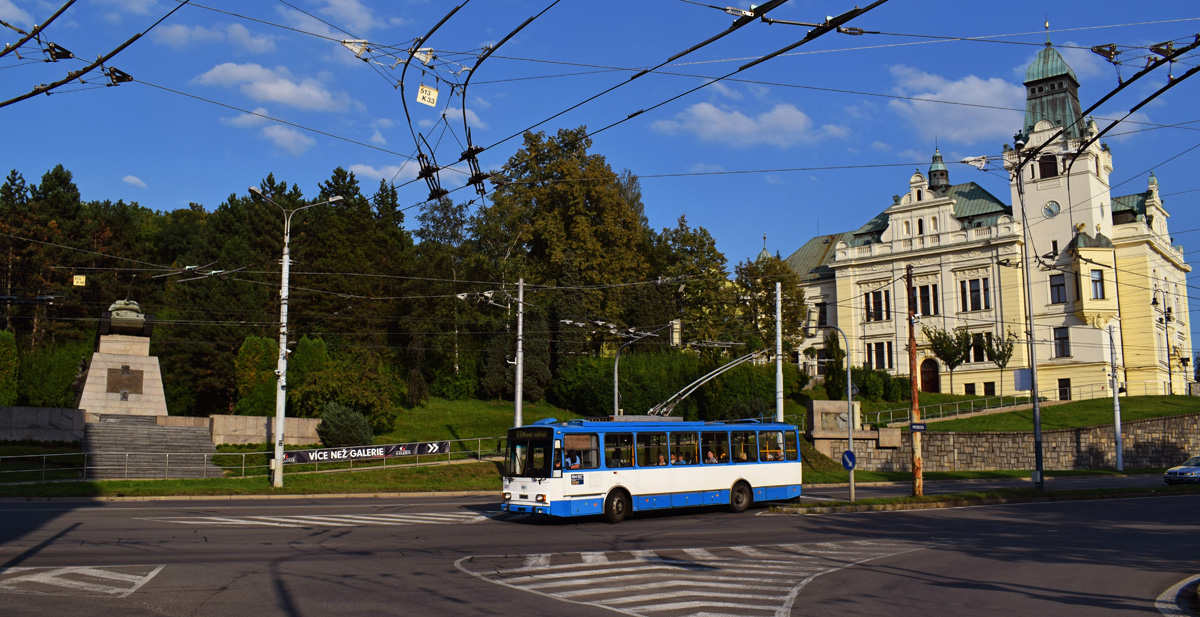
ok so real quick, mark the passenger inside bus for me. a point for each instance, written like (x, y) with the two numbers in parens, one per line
(661, 461)
(709, 458)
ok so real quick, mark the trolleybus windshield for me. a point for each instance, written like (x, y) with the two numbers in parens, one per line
(529, 452)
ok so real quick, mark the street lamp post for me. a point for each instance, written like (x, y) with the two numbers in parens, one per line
(281, 369)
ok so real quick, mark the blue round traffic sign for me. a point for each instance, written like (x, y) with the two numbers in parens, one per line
(848, 460)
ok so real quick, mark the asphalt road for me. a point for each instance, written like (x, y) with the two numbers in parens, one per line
(459, 556)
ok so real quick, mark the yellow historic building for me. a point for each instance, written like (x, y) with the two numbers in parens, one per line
(1104, 274)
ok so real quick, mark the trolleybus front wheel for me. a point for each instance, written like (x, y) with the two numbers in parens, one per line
(616, 506)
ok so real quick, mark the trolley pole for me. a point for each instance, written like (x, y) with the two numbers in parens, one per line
(1112, 348)
(518, 390)
(915, 410)
(778, 352)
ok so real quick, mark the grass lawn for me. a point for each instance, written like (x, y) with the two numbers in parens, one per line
(1078, 414)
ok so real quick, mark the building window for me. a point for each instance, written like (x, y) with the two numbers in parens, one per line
(1054, 247)
(1048, 166)
(1058, 289)
(879, 355)
(821, 358)
(1097, 284)
(989, 388)
(822, 314)
(907, 229)
(975, 295)
(1062, 342)
(933, 224)
(977, 350)
(928, 297)
(878, 305)
(969, 388)
(920, 227)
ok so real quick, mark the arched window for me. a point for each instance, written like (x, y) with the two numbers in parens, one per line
(920, 227)
(918, 194)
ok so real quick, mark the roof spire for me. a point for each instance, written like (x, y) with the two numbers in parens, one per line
(1047, 31)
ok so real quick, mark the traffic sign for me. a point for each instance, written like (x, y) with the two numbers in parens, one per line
(848, 460)
(917, 427)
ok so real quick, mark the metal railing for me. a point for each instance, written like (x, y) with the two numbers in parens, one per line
(161, 465)
(955, 409)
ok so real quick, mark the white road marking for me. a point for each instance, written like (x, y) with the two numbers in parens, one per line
(697, 582)
(327, 520)
(118, 581)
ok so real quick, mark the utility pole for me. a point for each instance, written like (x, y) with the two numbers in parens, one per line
(1112, 349)
(778, 352)
(915, 410)
(1019, 170)
(518, 393)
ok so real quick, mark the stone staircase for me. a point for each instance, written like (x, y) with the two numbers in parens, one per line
(136, 447)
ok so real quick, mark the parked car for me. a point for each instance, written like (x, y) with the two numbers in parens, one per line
(1188, 472)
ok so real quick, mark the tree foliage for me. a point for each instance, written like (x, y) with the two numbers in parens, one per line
(341, 427)
(835, 369)
(952, 348)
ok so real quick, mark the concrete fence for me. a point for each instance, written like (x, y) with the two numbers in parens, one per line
(1155, 442)
(55, 424)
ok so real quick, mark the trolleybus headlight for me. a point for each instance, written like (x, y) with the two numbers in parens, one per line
(541, 498)
(507, 496)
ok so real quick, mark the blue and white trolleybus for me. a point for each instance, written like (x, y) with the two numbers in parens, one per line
(581, 467)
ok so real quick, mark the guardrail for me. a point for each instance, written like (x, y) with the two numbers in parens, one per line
(152, 465)
(956, 409)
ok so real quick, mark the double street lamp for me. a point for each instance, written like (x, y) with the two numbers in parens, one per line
(281, 370)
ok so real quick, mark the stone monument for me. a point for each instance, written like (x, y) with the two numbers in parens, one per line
(122, 377)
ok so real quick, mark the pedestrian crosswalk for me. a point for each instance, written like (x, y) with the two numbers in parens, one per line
(118, 581)
(739, 580)
(329, 520)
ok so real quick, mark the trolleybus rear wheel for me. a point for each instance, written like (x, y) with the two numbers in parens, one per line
(739, 498)
(616, 506)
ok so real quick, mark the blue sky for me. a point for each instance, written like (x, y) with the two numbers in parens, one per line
(825, 135)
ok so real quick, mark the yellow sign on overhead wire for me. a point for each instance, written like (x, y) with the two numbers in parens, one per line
(427, 96)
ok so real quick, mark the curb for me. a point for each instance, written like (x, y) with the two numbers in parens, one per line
(962, 503)
(114, 498)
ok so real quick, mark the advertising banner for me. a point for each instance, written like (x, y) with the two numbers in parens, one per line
(360, 453)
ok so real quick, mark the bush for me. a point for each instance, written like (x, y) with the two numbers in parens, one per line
(899, 388)
(341, 426)
(45, 375)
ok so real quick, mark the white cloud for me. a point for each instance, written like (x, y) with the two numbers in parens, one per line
(783, 126)
(726, 91)
(13, 14)
(256, 44)
(137, 7)
(455, 115)
(134, 181)
(385, 123)
(879, 145)
(387, 172)
(179, 36)
(288, 139)
(1124, 129)
(263, 84)
(705, 168)
(248, 120)
(378, 138)
(349, 13)
(965, 124)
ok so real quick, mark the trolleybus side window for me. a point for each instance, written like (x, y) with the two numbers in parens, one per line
(789, 446)
(745, 447)
(770, 446)
(715, 447)
(685, 448)
(652, 449)
(584, 448)
(618, 450)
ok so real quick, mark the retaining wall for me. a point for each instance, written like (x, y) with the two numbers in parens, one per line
(1156, 442)
(259, 429)
(41, 424)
